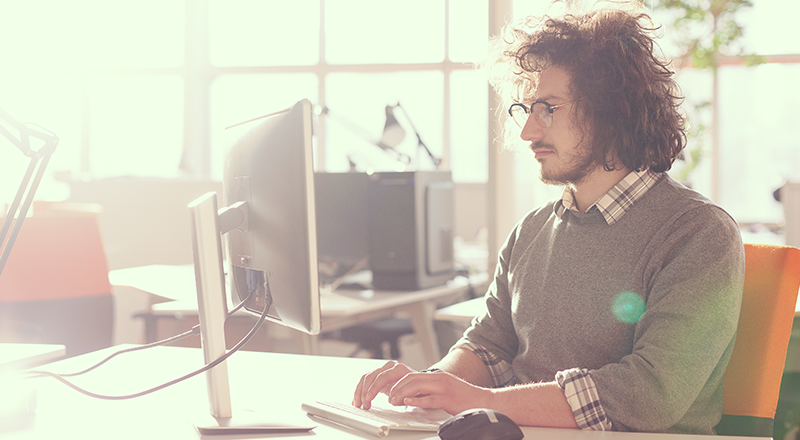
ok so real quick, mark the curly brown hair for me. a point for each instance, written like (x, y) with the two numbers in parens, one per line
(626, 92)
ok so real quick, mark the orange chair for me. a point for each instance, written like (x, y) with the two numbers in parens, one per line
(55, 288)
(753, 378)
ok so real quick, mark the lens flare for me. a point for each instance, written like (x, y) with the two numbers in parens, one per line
(628, 307)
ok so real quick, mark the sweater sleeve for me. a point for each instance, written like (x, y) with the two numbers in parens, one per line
(501, 372)
(683, 341)
(494, 330)
(581, 394)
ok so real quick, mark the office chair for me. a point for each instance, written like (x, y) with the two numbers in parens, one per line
(54, 288)
(753, 378)
(372, 336)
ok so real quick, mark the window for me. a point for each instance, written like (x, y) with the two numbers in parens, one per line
(758, 148)
(420, 94)
(103, 76)
(168, 75)
(136, 125)
(239, 97)
(469, 132)
(370, 32)
(266, 55)
(263, 33)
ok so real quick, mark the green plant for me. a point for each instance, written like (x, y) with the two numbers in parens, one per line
(697, 133)
(706, 32)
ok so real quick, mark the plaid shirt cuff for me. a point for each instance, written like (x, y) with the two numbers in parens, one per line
(500, 370)
(581, 393)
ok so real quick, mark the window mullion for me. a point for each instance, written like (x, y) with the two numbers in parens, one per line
(322, 73)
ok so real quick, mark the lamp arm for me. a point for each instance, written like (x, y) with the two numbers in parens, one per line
(436, 161)
(40, 157)
(21, 142)
(353, 128)
(26, 131)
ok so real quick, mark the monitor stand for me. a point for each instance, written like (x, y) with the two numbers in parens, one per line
(212, 310)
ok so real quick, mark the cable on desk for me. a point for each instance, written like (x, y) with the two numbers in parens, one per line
(219, 360)
(193, 332)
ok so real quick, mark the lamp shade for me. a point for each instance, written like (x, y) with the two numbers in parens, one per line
(393, 133)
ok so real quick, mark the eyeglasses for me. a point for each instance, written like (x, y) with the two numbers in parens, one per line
(541, 110)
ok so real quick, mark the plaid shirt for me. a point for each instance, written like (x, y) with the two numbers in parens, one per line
(618, 200)
(577, 384)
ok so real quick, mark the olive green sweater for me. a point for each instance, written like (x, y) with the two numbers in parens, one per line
(561, 299)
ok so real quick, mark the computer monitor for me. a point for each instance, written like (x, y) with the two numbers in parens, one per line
(269, 166)
(269, 223)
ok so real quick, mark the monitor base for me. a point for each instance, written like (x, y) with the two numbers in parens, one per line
(245, 422)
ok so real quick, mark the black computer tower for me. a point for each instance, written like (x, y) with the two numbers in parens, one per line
(411, 229)
(342, 205)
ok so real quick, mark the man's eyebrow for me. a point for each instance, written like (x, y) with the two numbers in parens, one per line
(548, 98)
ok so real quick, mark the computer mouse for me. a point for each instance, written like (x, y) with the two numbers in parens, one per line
(480, 424)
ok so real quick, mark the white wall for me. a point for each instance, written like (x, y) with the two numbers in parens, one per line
(144, 221)
(790, 197)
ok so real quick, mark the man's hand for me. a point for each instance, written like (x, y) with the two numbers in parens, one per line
(439, 390)
(378, 381)
(404, 386)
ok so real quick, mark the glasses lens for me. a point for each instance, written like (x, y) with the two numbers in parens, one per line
(519, 114)
(542, 114)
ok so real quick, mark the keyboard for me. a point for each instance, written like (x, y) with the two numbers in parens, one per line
(376, 420)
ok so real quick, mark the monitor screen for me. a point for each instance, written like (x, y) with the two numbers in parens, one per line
(273, 252)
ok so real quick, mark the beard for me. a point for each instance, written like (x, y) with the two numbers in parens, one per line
(571, 172)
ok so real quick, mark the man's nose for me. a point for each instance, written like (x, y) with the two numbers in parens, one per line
(531, 131)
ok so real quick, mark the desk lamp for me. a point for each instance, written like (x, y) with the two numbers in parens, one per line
(39, 158)
(393, 132)
(386, 143)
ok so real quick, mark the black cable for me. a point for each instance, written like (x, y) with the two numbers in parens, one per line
(193, 332)
(219, 360)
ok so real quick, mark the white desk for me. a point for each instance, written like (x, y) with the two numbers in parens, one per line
(271, 383)
(339, 309)
(15, 357)
(462, 312)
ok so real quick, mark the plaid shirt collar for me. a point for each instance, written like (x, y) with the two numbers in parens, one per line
(618, 200)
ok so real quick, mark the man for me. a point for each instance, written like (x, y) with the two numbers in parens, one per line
(616, 306)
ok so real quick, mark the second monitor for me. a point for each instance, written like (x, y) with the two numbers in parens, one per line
(403, 222)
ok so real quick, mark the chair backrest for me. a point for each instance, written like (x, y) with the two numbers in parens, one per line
(753, 378)
(55, 287)
(59, 254)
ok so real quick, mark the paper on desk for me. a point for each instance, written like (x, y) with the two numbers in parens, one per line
(168, 281)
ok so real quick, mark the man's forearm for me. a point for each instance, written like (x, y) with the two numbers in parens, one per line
(466, 365)
(542, 404)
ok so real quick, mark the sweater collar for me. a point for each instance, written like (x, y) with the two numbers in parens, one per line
(617, 201)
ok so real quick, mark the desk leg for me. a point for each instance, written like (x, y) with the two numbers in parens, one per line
(150, 326)
(310, 344)
(421, 315)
